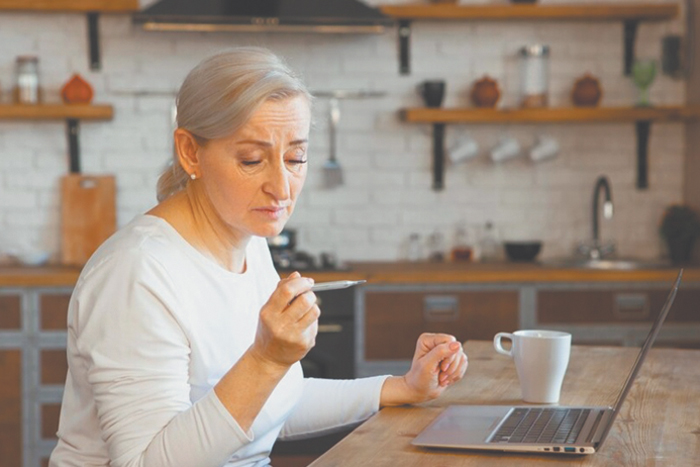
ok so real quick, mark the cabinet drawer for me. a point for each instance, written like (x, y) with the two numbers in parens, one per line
(394, 320)
(10, 312)
(615, 306)
(53, 309)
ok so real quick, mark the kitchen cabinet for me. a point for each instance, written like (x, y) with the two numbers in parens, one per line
(32, 371)
(394, 319)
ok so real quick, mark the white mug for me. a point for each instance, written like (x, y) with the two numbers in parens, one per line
(466, 148)
(545, 148)
(507, 148)
(541, 359)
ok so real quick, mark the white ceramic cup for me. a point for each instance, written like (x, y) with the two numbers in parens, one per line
(541, 359)
(545, 148)
(507, 148)
(466, 148)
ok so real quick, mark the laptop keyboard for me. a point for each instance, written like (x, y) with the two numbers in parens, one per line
(542, 425)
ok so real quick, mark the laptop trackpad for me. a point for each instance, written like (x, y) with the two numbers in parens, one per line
(462, 424)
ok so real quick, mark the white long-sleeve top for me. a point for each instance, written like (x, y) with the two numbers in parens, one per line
(152, 326)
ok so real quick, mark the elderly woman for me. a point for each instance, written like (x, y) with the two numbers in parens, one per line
(183, 342)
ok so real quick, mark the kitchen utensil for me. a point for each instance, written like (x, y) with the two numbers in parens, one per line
(522, 251)
(88, 215)
(332, 172)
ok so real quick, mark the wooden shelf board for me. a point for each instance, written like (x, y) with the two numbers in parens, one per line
(550, 115)
(587, 12)
(104, 6)
(56, 112)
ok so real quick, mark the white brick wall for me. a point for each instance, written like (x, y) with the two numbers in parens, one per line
(387, 163)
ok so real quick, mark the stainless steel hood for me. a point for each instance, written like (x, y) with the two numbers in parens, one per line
(329, 16)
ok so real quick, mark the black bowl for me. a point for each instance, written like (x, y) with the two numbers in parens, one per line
(522, 251)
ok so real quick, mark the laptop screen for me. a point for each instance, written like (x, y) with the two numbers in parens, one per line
(642, 355)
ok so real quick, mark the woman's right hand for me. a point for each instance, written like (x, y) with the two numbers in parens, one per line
(288, 322)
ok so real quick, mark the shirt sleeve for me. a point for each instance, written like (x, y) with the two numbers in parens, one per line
(136, 358)
(328, 405)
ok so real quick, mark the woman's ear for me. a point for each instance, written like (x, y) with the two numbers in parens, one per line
(187, 149)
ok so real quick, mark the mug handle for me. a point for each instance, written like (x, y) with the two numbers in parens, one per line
(497, 343)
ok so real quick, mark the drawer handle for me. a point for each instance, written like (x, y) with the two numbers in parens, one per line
(631, 306)
(330, 328)
(441, 308)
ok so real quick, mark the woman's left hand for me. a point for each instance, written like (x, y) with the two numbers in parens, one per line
(438, 362)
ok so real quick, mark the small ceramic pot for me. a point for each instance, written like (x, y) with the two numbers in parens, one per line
(485, 92)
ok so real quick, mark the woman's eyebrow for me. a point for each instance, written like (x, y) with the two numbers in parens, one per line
(268, 144)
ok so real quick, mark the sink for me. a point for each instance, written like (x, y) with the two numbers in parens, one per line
(607, 264)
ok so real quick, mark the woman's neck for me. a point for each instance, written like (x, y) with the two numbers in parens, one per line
(201, 226)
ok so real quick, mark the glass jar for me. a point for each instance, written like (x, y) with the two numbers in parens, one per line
(534, 76)
(27, 89)
(462, 248)
(490, 247)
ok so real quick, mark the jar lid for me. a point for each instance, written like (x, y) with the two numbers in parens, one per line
(534, 50)
(27, 58)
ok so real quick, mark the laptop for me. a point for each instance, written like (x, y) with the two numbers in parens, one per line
(541, 429)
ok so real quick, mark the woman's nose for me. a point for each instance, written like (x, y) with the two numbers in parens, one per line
(277, 182)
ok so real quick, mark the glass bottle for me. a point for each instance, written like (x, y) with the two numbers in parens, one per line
(414, 249)
(462, 249)
(534, 76)
(489, 245)
(27, 88)
(436, 247)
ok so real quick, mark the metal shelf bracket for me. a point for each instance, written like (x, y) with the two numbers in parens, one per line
(94, 40)
(404, 47)
(630, 38)
(73, 133)
(438, 156)
(643, 129)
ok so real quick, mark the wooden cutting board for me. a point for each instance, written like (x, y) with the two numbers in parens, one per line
(88, 215)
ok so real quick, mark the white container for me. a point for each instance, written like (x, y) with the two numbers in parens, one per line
(534, 76)
(27, 90)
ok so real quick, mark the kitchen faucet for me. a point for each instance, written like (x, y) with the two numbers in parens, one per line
(596, 250)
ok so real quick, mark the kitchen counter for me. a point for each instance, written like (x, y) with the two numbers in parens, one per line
(405, 273)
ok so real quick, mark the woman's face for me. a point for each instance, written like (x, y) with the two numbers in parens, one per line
(253, 177)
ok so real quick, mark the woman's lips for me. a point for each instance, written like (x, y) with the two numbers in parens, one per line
(272, 212)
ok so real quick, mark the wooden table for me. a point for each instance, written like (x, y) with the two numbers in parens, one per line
(659, 424)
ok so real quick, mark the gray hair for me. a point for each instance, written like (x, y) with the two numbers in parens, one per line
(221, 94)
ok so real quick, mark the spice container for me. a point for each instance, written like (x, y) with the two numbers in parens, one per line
(534, 76)
(27, 89)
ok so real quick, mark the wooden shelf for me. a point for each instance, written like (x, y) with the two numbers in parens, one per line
(56, 112)
(642, 117)
(550, 115)
(630, 15)
(592, 12)
(83, 6)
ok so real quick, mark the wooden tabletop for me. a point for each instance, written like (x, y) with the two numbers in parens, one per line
(659, 423)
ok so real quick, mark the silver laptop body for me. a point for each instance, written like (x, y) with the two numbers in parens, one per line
(556, 429)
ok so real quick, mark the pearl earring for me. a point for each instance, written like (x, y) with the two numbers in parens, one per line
(193, 176)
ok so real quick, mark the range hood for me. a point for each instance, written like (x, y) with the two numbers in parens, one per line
(332, 16)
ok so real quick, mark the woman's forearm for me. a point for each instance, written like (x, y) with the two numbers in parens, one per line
(245, 388)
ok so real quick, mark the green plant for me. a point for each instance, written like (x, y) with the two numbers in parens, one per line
(679, 223)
